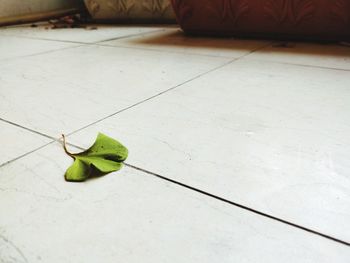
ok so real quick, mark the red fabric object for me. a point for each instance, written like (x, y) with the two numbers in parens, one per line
(311, 19)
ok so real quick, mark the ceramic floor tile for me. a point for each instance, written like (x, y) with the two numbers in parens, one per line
(81, 35)
(131, 217)
(16, 141)
(320, 55)
(63, 91)
(174, 40)
(13, 47)
(271, 136)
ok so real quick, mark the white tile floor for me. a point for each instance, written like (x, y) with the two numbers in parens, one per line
(249, 123)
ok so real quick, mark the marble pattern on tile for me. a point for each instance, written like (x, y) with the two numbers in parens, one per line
(81, 85)
(130, 216)
(16, 141)
(271, 136)
(174, 40)
(86, 34)
(14, 47)
(311, 54)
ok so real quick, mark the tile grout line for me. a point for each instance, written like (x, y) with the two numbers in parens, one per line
(28, 129)
(153, 96)
(41, 53)
(294, 64)
(42, 39)
(252, 210)
(170, 89)
(128, 36)
(25, 154)
(32, 151)
(79, 42)
(163, 51)
(299, 65)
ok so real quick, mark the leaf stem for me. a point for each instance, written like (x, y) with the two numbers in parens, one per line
(65, 146)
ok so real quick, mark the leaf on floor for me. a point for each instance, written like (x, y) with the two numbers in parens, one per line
(106, 155)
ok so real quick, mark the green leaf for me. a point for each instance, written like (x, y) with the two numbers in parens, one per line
(106, 155)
